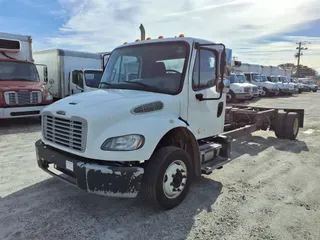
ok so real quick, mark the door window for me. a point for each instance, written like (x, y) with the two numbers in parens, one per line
(204, 75)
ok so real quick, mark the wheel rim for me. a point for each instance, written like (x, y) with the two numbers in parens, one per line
(175, 179)
(295, 126)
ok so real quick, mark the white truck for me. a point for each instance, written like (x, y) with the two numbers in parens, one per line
(239, 90)
(252, 73)
(21, 92)
(71, 72)
(155, 128)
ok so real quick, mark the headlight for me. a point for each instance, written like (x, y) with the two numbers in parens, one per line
(123, 143)
(48, 96)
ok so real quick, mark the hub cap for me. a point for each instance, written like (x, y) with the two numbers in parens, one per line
(295, 126)
(175, 179)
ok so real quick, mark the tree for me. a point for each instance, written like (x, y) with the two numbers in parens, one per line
(304, 70)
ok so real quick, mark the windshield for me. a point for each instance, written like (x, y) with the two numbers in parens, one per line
(275, 79)
(283, 79)
(233, 78)
(256, 77)
(18, 71)
(155, 67)
(242, 78)
(92, 78)
(264, 78)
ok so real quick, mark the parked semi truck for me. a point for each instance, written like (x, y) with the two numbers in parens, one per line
(154, 129)
(21, 93)
(253, 75)
(71, 72)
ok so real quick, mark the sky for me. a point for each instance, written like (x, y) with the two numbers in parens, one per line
(258, 31)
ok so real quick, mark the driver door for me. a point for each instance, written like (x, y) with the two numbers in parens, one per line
(206, 117)
(76, 82)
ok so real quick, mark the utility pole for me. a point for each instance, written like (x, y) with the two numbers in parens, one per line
(299, 54)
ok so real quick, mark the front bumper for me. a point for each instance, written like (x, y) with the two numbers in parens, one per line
(243, 95)
(21, 112)
(273, 90)
(93, 176)
(287, 90)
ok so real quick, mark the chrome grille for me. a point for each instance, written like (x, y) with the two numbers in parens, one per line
(246, 89)
(71, 133)
(255, 89)
(23, 97)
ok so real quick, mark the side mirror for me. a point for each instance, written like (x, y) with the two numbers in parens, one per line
(237, 63)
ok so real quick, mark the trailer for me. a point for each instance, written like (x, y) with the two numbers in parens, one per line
(21, 93)
(160, 130)
(71, 72)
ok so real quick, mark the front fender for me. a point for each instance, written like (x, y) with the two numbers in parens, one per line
(153, 128)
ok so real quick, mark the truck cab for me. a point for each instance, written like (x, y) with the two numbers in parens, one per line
(283, 88)
(293, 88)
(84, 80)
(269, 88)
(255, 90)
(21, 93)
(237, 90)
(157, 122)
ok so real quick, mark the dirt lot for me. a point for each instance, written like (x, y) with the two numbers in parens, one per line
(270, 191)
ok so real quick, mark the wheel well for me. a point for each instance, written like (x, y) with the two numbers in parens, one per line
(182, 138)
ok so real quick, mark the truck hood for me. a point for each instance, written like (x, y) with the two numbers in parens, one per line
(102, 102)
(242, 85)
(20, 85)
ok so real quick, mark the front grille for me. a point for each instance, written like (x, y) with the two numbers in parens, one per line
(23, 97)
(71, 133)
(255, 89)
(246, 89)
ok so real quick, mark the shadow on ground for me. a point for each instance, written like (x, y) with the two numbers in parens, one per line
(19, 125)
(52, 209)
(253, 145)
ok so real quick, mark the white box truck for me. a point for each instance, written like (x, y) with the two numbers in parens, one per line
(70, 72)
(253, 75)
(153, 129)
(21, 92)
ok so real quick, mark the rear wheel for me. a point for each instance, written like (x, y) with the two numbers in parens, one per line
(279, 125)
(167, 177)
(291, 126)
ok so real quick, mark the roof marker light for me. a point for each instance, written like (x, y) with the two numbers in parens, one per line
(138, 40)
(125, 43)
(149, 38)
(160, 37)
(181, 35)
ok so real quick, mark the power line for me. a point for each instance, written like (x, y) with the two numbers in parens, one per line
(300, 53)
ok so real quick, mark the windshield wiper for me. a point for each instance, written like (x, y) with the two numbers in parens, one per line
(101, 84)
(139, 83)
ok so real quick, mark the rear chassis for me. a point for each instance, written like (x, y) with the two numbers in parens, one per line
(119, 179)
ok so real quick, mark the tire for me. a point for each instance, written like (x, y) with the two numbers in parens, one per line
(314, 90)
(291, 126)
(155, 184)
(230, 97)
(267, 92)
(279, 124)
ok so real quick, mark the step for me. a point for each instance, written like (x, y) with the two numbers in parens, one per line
(208, 167)
(209, 151)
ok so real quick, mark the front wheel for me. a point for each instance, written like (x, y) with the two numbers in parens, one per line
(167, 177)
(314, 90)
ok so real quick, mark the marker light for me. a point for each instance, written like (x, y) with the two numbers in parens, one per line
(149, 38)
(138, 40)
(160, 37)
(125, 43)
(181, 35)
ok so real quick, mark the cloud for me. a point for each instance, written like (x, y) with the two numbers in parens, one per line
(243, 25)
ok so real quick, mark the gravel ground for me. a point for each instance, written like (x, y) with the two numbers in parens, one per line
(270, 191)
